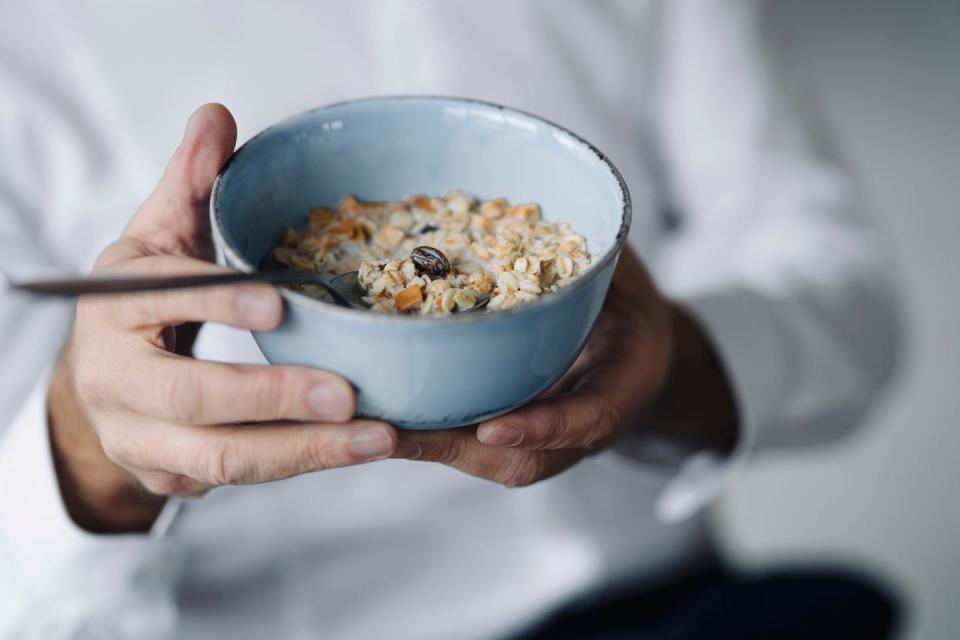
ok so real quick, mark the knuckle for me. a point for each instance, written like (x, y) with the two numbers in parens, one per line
(222, 463)
(270, 385)
(181, 397)
(603, 431)
(555, 422)
(116, 448)
(162, 308)
(523, 470)
(168, 307)
(320, 454)
(448, 451)
(604, 428)
(547, 425)
(204, 301)
(593, 432)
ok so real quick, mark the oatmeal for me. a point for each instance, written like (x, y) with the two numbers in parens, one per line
(436, 256)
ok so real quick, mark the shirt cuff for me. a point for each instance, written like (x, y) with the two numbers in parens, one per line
(746, 334)
(48, 551)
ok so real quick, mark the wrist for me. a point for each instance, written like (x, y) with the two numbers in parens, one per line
(98, 495)
(695, 409)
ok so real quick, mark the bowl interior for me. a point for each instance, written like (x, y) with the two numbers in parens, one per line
(390, 148)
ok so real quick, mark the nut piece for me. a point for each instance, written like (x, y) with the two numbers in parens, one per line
(350, 206)
(430, 261)
(363, 230)
(526, 212)
(389, 236)
(344, 228)
(459, 202)
(494, 208)
(292, 237)
(320, 217)
(423, 202)
(401, 218)
(481, 225)
(409, 299)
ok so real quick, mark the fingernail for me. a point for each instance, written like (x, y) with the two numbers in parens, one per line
(500, 435)
(408, 450)
(256, 310)
(370, 443)
(330, 402)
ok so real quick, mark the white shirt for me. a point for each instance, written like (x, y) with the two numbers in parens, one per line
(766, 244)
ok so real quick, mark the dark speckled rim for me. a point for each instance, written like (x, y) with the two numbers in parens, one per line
(378, 318)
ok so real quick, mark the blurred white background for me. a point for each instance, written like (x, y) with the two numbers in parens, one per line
(888, 77)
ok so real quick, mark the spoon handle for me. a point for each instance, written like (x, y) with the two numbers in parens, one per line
(132, 284)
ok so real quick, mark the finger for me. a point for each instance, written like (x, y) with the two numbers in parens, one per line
(185, 391)
(249, 306)
(169, 484)
(583, 418)
(174, 217)
(250, 454)
(459, 448)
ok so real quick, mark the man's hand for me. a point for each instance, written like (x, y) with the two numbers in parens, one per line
(647, 368)
(134, 419)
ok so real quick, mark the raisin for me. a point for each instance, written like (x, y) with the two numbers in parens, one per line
(430, 261)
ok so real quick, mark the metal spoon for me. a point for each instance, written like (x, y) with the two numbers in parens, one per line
(344, 289)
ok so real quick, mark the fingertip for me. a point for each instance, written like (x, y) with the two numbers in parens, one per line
(527, 427)
(332, 398)
(208, 141)
(373, 441)
(407, 450)
(500, 434)
(211, 115)
(258, 308)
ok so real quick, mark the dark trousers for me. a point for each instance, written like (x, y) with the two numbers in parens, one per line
(716, 602)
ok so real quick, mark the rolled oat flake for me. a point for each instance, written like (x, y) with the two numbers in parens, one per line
(430, 261)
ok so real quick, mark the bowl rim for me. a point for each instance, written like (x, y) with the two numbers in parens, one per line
(358, 315)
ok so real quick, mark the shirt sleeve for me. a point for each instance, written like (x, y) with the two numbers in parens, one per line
(770, 248)
(58, 580)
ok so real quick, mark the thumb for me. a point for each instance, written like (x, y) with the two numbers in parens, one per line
(174, 218)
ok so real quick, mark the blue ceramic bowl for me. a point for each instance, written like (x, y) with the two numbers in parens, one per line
(425, 373)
